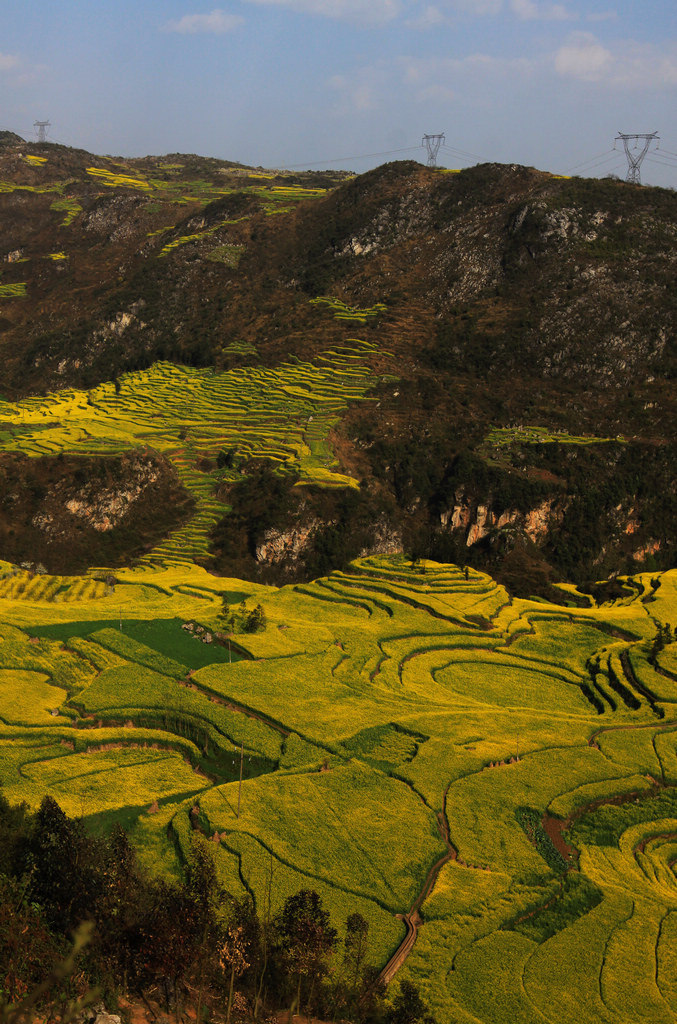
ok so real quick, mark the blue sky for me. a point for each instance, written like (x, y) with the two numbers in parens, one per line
(329, 82)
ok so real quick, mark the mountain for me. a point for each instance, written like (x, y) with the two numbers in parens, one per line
(520, 329)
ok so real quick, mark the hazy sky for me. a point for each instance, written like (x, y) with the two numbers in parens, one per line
(330, 82)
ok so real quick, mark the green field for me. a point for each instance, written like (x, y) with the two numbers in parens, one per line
(375, 704)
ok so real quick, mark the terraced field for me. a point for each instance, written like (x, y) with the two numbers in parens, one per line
(490, 781)
(413, 744)
(172, 186)
(283, 414)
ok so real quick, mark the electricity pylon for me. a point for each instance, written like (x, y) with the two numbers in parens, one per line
(41, 125)
(635, 158)
(432, 144)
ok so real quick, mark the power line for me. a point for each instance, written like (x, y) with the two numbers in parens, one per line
(611, 158)
(463, 153)
(658, 160)
(342, 159)
(583, 163)
(663, 163)
(662, 154)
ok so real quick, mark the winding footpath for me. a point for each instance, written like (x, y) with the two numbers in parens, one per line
(413, 919)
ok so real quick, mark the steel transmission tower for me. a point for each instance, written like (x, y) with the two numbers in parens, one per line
(432, 144)
(41, 125)
(637, 153)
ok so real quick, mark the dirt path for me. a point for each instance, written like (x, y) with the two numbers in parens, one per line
(555, 827)
(413, 919)
(630, 727)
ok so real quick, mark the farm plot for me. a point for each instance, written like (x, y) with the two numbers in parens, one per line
(379, 709)
(350, 314)
(14, 291)
(173, 188)
(353, 808)
(114, 784)
(27, 698)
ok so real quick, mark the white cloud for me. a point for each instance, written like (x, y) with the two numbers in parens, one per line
(430, 17)
(628, 65)
(529, 10)
(477, 80)
(583, 57)
(8, 62)
(602, 16)
(477, 7)
(216, 23)
(419, 71)
(526, 10)
(361, 91)
(436, 93)
(365, 11)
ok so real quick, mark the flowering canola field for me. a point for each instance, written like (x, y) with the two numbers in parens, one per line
(390, 717)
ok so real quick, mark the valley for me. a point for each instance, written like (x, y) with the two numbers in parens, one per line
(338, 528)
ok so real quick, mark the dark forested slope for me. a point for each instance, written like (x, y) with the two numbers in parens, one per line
(529, 320)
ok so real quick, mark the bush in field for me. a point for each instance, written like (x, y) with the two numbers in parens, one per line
(240, 619)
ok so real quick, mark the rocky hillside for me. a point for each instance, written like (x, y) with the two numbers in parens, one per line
(64, 514)
(529, 321)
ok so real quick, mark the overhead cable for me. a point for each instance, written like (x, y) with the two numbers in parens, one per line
(663, 163)
(592, 159)
(342, 159)
(462, 152)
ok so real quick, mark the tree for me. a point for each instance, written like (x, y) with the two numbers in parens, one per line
(266, 932)
(48, 996)
(348, 979)
(355, 944)
(256, 620)
(233, 958)
(14, 832)
(307, 940)
(226, 458)
(63, 862)
(661, 638)
(409, 1007)
(206, 894)
(170, 940)
(27, 950)
(119, 910)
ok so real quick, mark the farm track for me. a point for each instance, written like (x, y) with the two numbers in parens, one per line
(555, 827)
(412, 919)
(631, 726)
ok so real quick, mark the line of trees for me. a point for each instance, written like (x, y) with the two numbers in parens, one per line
(186, 943)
